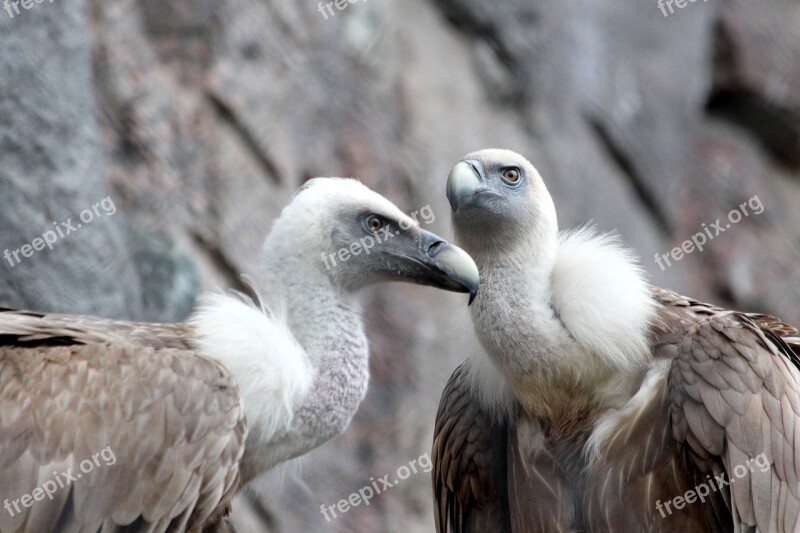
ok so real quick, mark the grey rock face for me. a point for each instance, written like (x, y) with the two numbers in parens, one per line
(67, 249)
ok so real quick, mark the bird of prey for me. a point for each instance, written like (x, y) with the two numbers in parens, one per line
(117, 426)
(601, 403)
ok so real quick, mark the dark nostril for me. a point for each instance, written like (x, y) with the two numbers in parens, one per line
(475, 169)
(435, 247)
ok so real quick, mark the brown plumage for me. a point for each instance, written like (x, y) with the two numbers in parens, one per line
(729, 391)
(68, 383)
(602, 404)
(161, 423)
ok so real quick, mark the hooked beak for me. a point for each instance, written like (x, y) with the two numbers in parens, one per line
(466, 185)
(436, 263)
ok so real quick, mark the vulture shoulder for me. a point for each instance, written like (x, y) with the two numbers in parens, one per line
(718, 413)
(106, 424)
(470, 459)
(734, 392)
(29, 328)
(493, 473)
(469, 462)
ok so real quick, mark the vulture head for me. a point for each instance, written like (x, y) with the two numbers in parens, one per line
(500, 202)
(357, 238)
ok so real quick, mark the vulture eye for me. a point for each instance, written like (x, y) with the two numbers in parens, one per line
(511, 175)
(374, 224)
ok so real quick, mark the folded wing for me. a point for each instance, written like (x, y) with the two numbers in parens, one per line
(118, 424)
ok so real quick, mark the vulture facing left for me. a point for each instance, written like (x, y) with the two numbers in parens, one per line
(120, 426)
(603, 404)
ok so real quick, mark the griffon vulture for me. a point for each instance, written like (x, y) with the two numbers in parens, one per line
(108, 425)
(603, 404)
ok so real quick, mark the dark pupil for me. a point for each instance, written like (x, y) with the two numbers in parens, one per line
(511, 175)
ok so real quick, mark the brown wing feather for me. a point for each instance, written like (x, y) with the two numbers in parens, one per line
(539, 493)
(469, 463)
(26, 328)
(641, 466)
(735, 395)
(172, 420)
(730, 386)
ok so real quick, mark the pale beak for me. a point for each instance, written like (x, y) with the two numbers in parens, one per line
(436, 263)
(466, 185)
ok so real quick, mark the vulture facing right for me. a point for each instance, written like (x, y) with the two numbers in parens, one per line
(603, 404)
(119, 426)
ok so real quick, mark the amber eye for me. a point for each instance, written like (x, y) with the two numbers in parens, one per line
(511, 175)
(374, 223)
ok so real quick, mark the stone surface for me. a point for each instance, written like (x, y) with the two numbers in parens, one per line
(200, 119)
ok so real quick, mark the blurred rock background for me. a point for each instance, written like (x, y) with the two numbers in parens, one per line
(201, 118)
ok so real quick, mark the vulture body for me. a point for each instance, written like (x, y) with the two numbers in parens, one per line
(603, 404)
(118, 426)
